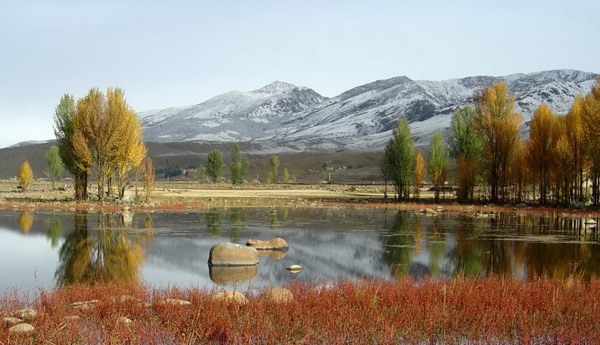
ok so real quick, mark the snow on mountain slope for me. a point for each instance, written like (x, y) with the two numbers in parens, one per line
(233, 116)
(298, 118)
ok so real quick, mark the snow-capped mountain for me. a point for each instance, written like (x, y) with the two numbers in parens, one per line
(285, 117)
(233, 116)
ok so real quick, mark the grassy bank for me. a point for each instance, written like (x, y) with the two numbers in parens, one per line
(446, 311)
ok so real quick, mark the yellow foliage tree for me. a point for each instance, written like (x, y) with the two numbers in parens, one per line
(420, 173)
(563, 168)
(518, 171)
(107, 137)
(25, 175)
(498, 126)
(541, 148)
(590, 114)
(575, 137)
(129, 149)
(148, 178)
(25, 221)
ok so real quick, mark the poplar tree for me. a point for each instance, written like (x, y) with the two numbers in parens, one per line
(25, 175)
(497, 124)
(64, 130)
(238, 166)
(590, 114)
(465, 146)
(420, 173)
(274, 163)
(214, 167)
(398, 164)
(54, 166)
(438, 163)
(541, 147)
(576, 139)
(100, 132)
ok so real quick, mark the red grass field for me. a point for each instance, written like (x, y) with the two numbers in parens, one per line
(482, 310)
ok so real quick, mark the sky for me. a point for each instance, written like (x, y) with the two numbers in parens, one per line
(177, 53)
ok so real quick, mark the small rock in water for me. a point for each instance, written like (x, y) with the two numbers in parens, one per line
(295, 268)
(21, 328)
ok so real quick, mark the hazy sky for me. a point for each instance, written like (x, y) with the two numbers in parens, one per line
(173, 53)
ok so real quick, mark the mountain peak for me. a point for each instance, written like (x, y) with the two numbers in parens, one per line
(276, 88)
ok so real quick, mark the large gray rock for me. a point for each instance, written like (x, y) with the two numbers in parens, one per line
(276, 243)
(232, 254)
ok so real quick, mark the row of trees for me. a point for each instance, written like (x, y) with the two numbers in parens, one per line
(556, 164)
(238, 166)
(99, 134)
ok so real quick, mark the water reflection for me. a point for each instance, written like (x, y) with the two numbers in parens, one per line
(55, 230)
(345, 243)
(25, 220)
(109, 256)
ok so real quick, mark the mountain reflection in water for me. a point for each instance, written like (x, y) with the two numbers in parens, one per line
(167, 249)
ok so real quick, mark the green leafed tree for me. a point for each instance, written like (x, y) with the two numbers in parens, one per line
(64, 130)
(214, 168)
(239, 165)
(465, 146)
(438, 163)
(285, 175)
(398, 163)
(274, 163)
(54, 165)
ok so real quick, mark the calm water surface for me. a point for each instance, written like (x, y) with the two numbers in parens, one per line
(44, 249)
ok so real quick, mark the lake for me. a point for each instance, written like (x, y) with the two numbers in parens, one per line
(161, 249)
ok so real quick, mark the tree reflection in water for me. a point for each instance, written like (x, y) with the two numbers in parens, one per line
(55, 230)
(25, 220)
(399, 242)
(111, 256)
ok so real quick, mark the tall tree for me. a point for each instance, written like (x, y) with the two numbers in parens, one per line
(25, 175)
(64, 130)
(239, 165)
(106, 136)
(438, 163)
(214, 167)
(575, 137)
(497, 124)
(541, 147)
(148, 178)
(398, 164)
(420, 173)
(274, 163)
(590, 114)
(563, 169)
(54, 166)
(518, 171)
(465, 146)
(128, 148)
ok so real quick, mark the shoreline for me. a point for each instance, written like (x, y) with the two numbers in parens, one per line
(186, 196)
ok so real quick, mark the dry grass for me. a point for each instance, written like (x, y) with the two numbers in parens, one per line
(486, 310)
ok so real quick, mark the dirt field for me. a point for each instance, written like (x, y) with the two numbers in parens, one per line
(190, 195)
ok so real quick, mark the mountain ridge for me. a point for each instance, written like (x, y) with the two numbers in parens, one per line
(286, 117)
